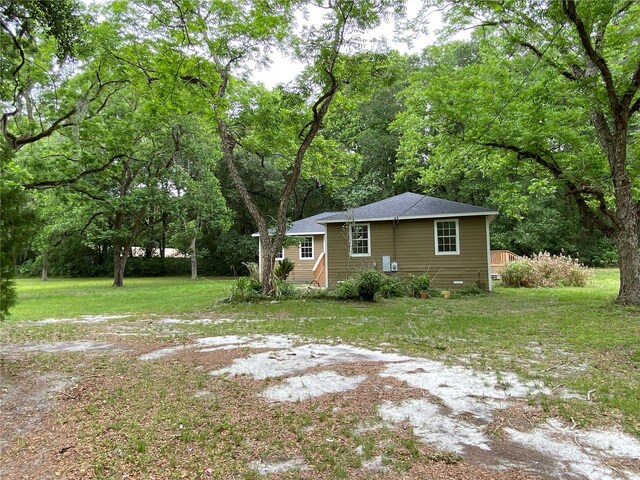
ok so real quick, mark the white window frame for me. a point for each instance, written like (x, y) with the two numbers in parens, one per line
(435, 236)
(313, 250)
(368, 254)
(280, 256)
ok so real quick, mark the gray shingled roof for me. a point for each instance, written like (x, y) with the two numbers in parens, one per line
(306, 226)
(407, 206)
(310, 225)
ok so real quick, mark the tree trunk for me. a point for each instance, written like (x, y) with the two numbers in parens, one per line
(627, 242)
(120, 256)
(45, 266)
(267, 263)
(194, 260)
(627, 221)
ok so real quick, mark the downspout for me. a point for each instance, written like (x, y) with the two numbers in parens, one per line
(259, 257)
(490, 279)
(326, 256)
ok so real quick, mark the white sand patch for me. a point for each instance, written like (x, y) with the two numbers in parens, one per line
(442, 431)
(82, 319)
(223, 342)
(296, 389)
(460, 388)
(374, 464)
(196, 321)
(271, 468)
(615, 444)
(59, 347)
(285, 362)
(270, 341)
(569, 459)
(581, 452)
(163, 352)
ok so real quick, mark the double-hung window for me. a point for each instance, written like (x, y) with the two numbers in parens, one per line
(447, 237)
(280, 254)
(360, 240)
(306, 248)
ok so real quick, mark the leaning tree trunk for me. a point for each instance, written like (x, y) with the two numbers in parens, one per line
(194, 260)
(45, 266)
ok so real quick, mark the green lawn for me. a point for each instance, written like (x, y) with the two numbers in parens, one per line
(72, 297)
(576, 337)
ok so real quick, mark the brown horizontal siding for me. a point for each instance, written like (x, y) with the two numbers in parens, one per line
(303, 270)
(413, 248)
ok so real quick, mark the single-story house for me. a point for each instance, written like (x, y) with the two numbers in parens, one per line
(408, 233)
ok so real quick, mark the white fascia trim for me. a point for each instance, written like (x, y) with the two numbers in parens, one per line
(300, 234)
(326, 261)
(435, 238)
(419, 217)
(490, 279)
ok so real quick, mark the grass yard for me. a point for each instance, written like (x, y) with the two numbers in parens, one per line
(72, 297)
(146, 417)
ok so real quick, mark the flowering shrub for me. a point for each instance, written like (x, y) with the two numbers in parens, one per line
(546, 270)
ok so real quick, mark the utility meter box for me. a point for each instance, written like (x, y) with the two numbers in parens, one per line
(394, 266)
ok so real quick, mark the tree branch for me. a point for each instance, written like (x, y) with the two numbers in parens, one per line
(598, 60)
(603, 217)
(68, 181)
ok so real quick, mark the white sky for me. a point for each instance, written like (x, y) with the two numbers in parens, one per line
(283, 70)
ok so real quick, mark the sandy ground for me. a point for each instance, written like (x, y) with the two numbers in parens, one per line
(482, 416)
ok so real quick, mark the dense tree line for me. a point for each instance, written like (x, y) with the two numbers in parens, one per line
(139, 124)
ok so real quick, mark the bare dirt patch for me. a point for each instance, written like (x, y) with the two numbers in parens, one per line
(233, 406)
(26, 399)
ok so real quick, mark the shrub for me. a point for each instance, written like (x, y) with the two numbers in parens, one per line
(368, 284)
(392, 287)
(419, 283)
(346, 289)
(518, 274)
(546, 270)
(284, 268)
(245, 289)
(286, 289)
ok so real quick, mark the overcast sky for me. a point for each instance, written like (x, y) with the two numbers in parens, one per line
(283, 70)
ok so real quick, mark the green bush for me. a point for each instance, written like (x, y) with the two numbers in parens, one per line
(245, 289)
(368, 283)
(546, 270)
(346, 289)
(284, 268)
(518, 274)
(286, 289)
(392, 287)
(419, 283)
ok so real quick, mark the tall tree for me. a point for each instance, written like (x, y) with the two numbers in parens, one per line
(213, 41)
(552, 91)
(34, 36)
